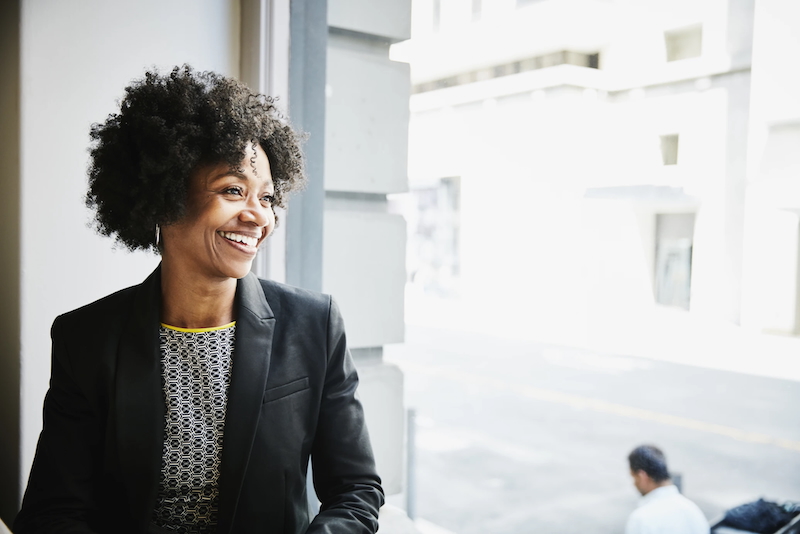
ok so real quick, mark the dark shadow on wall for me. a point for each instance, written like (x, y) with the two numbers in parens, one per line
(9, 259)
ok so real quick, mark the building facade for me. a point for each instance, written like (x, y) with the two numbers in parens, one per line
(585, 169)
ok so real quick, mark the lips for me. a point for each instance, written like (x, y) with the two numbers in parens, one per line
(249, 240)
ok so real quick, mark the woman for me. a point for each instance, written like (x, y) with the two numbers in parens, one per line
(192, 402)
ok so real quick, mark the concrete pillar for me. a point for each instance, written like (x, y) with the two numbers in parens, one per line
(366, 140)
(352, 101)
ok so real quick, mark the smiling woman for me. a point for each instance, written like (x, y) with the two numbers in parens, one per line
(229, 214)
(193, 401)
(169, 128)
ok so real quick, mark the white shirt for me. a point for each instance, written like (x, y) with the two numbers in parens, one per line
(665, 511)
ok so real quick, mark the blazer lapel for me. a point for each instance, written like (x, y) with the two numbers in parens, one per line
(139, 408)
(255, 324)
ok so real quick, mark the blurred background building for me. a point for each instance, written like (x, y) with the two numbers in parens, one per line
(595, 161)
(603, 200)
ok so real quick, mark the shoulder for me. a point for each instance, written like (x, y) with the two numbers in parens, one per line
(680, 502)
(297, 309)
(690, 507)
(286, 299)
(85, 340)
(673, 513)
(102, 311)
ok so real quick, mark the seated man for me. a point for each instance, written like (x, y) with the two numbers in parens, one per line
(662, 510)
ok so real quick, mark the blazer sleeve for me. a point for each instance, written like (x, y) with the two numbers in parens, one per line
(345, 477)
(59, 497)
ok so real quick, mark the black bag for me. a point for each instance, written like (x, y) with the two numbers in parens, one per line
(762, 516)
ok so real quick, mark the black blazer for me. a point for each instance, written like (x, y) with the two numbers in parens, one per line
(291, 395)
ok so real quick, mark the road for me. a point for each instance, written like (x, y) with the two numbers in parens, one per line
(518, 437)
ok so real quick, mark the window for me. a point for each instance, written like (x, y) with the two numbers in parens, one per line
(476, 9)
(669, 149)
(684, 43)
(434, 241)
(673, 276)
(564, 57)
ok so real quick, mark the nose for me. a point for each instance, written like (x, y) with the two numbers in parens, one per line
(256, 213)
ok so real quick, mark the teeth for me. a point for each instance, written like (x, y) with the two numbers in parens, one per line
(247, 240)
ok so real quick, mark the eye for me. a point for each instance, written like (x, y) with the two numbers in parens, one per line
(233, 190)
(269, 199)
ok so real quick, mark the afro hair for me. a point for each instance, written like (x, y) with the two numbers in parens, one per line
(168, 125)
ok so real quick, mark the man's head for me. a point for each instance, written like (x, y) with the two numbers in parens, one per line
(648, 468)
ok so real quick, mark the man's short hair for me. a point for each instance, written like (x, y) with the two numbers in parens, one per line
(651, 460)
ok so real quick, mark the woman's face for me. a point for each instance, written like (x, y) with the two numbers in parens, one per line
(229, 214)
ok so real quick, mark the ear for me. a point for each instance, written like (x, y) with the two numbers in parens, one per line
(640, 477)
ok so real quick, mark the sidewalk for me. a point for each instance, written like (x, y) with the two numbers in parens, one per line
(426, 527)
(661, 334)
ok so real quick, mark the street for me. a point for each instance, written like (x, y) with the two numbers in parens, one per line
(516, 437)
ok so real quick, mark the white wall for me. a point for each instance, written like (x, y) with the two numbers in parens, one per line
(366, 126)
(773, 197)
(77, 57)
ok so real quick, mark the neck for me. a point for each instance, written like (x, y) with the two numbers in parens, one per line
(657, 485)
(195, 302)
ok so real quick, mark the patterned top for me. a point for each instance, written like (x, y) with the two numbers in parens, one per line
(195, 366)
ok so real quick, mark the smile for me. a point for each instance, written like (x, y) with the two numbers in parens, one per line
(239, 238)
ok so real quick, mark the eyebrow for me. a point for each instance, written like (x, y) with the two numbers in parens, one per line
(242, 177)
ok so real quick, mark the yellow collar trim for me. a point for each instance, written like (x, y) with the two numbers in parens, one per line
(211, 329)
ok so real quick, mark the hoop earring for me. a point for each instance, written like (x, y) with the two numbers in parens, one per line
(158, 235)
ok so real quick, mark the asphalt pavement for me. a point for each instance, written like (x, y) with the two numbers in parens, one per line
(517, 437)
